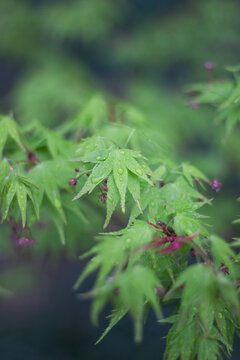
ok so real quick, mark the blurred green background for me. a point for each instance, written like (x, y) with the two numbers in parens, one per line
(54, 55)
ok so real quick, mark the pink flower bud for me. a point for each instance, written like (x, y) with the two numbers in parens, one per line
(32, 157)
(209, 65)
(223, 268)
(216, 185)
(73, 182)
(194, 104)
(103, 197)
(158, 290)
(24, 242)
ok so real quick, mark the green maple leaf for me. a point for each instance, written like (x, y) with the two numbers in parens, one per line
(124, 172)
(192, 173)
(113, 248)
(49, 176)
(21, 188)
(137, 286)
(92, 150)
(56, 145)
(9, 128)
(173, 198)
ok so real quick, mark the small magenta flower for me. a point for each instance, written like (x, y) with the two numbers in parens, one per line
(194, 104)
(161, 183)
(105, 188)
(32, 157)
(73, 181)
(103, 197)
(106, 180)
(76, 170)
(209, 65)
(24, 242)
(216, 185)
(158, 290)
(223, 268)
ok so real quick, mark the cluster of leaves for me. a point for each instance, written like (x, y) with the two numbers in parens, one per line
(35, 179)
(164, 254)
(224, 94)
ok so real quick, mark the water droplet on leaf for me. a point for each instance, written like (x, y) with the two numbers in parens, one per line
(94, 180)
(139, 172)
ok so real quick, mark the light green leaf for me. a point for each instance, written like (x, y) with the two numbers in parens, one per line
(98, 174)
(208, 349)
(222, 253)
(22, 201)
(134, 188)
(137, 285)
(112, 199)
(191, 172)
(136, 169)
(8, 127)
(3, 137)
(11, 191)
(115, 317)
(120, 175)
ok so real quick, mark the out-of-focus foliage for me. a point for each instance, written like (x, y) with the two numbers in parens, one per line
(187, 35)
(65, 49)
(224, 95)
